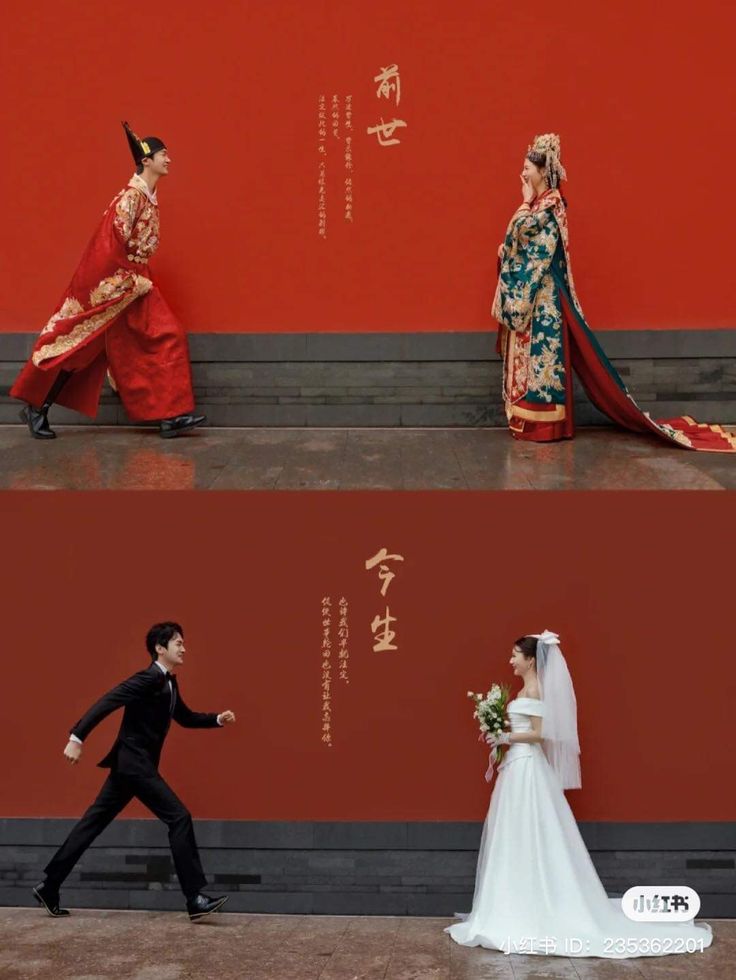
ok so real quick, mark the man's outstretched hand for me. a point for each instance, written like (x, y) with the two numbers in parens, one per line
(73, 752)
(226, 717)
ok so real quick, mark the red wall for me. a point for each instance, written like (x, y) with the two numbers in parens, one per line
(642, 95)
(630, 583)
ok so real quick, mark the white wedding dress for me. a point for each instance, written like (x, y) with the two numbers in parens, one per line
(536, 889)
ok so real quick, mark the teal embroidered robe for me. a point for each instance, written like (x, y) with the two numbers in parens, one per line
(528, 308)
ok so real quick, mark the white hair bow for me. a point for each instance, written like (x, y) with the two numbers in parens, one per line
(548, 638)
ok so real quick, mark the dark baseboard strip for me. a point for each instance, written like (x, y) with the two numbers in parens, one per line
(426, 346)
(371, 835)
(413, 380)
(356, 868)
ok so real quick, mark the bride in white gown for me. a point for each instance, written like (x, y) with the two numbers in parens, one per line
(536, 888)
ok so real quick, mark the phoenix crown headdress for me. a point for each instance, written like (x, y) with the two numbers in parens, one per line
(549, 145)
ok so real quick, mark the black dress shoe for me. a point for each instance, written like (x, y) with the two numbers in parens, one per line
(49, 899)
(37, 422)
(202, 905)
(172, 427)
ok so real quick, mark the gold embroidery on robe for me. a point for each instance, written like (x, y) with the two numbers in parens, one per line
(83, 330)
(69, 308)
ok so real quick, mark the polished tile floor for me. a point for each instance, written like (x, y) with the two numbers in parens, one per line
(87, 457)
(106, 945)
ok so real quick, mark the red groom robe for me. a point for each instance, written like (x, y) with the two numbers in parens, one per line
(113, 318)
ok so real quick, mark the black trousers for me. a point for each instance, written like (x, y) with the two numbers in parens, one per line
(161, 800)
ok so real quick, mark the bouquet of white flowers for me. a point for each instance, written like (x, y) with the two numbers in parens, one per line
(490, 711)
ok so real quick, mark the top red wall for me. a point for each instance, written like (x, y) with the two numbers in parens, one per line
(643, 97)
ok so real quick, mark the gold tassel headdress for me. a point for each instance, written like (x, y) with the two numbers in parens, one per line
(548, 145)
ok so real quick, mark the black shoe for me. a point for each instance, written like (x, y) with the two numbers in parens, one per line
(37, 422)
(202, 905)
(49, 899)
(172, 427)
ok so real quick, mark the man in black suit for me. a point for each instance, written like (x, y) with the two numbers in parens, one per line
(151, 699)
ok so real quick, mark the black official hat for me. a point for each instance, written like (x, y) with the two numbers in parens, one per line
(141, 148)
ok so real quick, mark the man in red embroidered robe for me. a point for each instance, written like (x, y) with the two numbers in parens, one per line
(113, 319)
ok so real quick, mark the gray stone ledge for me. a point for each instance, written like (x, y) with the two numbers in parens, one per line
(369, 835)
(425, 346)
(412, 380)
(348, 867)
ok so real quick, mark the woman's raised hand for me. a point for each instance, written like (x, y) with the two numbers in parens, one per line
(527, 191)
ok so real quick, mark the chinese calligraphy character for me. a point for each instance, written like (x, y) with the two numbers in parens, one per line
(335, 115)
(343, 633)
(326, 652)
(384, 572)
(386, 85)
(322, 168)
(385, 639)
(385, 131)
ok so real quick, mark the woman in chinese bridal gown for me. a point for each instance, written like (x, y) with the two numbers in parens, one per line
(543, 335)
(536, 888)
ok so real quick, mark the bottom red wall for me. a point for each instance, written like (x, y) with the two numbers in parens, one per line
(638, 585)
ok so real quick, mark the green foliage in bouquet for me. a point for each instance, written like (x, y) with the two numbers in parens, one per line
(490, 712)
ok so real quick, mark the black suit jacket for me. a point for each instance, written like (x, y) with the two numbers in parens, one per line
(149, 708)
